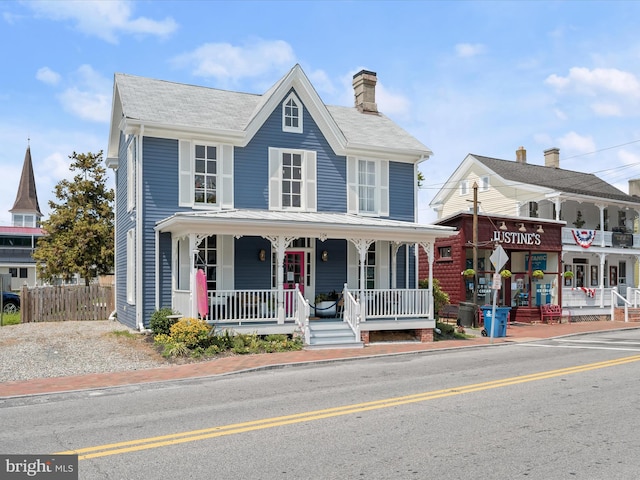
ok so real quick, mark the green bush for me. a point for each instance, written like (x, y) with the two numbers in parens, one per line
(159, 323)
(440, 297)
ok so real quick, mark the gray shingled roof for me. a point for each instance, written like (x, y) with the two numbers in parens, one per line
(558, 179)
(174, 104)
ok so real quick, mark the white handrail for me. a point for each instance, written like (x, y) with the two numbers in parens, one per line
(351, 311)
(302, 317)
(614, 296)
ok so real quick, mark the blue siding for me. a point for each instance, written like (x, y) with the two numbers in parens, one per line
(249, 271)
(401, 191)
(165, 270)
(332, 274)
(251, 178)
(126, 313)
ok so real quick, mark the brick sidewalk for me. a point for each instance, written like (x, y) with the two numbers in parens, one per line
(515, 333)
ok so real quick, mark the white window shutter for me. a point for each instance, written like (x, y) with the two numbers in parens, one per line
(311, 188)
(275, 168)
(185, 181)
(353, 265)
(382, 264)
(352, 185)
(226, 177)
(383, 188)
(225, 278)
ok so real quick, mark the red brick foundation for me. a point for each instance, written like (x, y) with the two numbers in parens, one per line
(426, 334)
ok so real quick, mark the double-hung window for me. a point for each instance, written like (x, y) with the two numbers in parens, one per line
(132, 151)
(206, 175)
(464, 187)
(292, 179)
(368, 186)
(131, 266)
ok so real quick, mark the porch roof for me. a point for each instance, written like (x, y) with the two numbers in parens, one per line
(300, 224)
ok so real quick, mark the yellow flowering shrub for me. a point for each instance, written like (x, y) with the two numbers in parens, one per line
(190, 331)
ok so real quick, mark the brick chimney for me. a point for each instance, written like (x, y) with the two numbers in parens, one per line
(634, 187)
(364, 86)
(552, 158)
(521, 155)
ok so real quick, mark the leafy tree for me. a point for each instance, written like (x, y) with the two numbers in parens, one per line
(79, 230)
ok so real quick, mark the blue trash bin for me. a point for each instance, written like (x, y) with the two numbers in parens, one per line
(500, 329)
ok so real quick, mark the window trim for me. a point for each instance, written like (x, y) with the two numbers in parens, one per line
(292, 97)
(309, 194)
(132, 152)
(484, 183)
(131, 266)
(464, 187)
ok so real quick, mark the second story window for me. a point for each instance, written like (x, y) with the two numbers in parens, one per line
(368, 186)
(292, 180)
(131, 174)
(206, 173)
(292, 115)
(464, 187)
(533, 209)
(484, 183)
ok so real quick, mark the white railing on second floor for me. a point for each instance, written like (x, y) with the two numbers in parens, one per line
(568, 238)
(397, 303)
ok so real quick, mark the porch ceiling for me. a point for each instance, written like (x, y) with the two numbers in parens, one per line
(300, 224)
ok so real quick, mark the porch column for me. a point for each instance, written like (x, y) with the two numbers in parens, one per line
(280, 245)
(395, 246)
(601, 207)
(603, 256)
(362, 246)
(558, 203)
(429, 249)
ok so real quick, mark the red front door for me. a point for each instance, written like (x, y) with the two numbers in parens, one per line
(294, 270)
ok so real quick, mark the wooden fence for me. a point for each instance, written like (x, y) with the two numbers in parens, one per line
(64, 303)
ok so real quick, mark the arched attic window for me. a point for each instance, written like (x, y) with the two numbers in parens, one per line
(292, 114)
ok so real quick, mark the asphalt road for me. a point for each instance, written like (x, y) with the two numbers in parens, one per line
(565, 408)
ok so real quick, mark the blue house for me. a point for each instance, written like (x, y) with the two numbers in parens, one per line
(276, 198)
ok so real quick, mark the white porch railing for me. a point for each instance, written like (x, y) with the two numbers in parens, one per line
(633, 296)
(351, 312)
(302, 317)
(586, 297)
(182, 302)
(249, 306)
(615, 298)
(397, 303)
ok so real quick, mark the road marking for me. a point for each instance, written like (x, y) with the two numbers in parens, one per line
(608, 342)
(233, 429)
(581, 347)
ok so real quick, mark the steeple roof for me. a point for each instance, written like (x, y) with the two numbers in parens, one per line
(27, 197)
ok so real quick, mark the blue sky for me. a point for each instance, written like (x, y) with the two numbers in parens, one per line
(462, 77)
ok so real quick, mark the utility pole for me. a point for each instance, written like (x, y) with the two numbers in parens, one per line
(475, 241)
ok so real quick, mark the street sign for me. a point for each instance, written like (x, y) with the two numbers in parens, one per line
(497, 281)
(499, 257)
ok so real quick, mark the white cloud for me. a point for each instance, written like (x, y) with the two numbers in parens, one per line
(227, 62)
(89, 97)
(560, 114)
(390, 103)
(465, 50)
(48, 76)
(607, 109)
(103, 19)
(577, 143)
(596, 81)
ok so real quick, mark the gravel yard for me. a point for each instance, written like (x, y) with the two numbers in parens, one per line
(59, 349)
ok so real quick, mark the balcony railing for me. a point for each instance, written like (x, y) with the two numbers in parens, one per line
(569, 239)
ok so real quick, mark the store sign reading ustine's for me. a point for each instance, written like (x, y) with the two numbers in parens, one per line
(518, 238)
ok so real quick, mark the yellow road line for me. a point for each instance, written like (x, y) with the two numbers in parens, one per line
(233, 429)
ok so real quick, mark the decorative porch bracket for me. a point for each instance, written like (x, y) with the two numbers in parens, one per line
(362, 246)
(280, 245)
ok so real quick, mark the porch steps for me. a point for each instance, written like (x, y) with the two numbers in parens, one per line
(336, 334)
